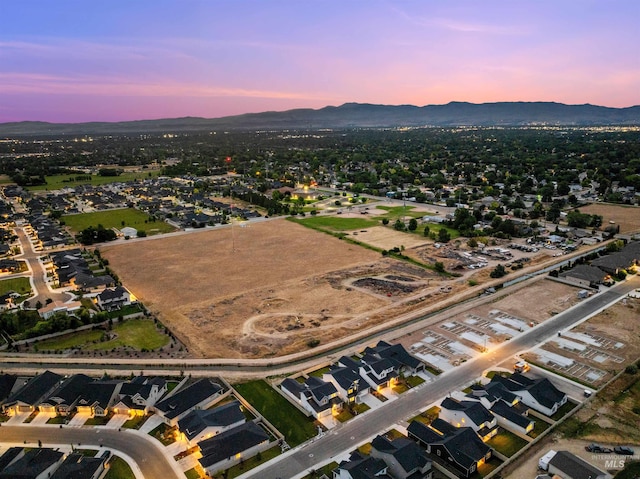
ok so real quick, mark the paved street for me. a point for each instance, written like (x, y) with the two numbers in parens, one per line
(347, 436)
(146, 452)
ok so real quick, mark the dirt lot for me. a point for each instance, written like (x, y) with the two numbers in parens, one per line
(387, 238)
(628, 217)
(255, 291)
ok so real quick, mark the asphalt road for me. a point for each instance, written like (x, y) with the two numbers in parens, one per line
(347, 436)
(147, 455)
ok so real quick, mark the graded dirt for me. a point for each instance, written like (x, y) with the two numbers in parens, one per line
(270, 288)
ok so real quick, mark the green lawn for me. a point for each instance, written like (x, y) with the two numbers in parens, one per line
(119, 469)
(326, 470)
(98, 420)
(539, 427)
(135, 422)
(116, 219)
(19, 285)
(414, 381)
(319, 372)
(506, 443)
(69, 341)
(435, 227)
(57, 182)
(252, 462)
(192, 474)
(398, 212)
(296, 427)
(568, 406)
(164, 434)
(346, 414)
(337, 223)
(136, 333)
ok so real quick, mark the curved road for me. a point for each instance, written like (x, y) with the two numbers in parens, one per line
(41, 290)
(148, 455)
(347, 436)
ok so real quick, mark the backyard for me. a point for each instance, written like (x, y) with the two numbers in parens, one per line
(117, 219)
(293, 424)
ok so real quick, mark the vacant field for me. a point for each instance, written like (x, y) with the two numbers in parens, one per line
(206, 285)
(116, 219)
(628, 217)
(57, 182)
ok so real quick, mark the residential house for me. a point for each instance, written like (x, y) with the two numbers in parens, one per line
(80, 466)
(538, 394)
(504, 405)
(38, 463)
(360, 466)
(199, 395)
(201, 424)
(585, 275)
(406, 363)
(137, 396)
(625, 259)
(29, 396)
(96, 399)
(7, 384)
(469, 414)
(569, 466)
(58, 307)
(457, 448)
(406, 460)
(111, 299)
(230, 447)
(351, 387)
(317, 397)
(63, 400)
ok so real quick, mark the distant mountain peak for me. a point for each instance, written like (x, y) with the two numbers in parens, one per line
(355, 115)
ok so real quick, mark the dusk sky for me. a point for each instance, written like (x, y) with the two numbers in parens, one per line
(116, 60)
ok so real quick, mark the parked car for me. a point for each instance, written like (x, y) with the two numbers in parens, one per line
(593, 447)
(624, 450)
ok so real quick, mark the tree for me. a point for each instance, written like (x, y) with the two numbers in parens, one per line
(413, 224)
(426, 231)
(385, 221)
(439, 267)
(498, 272)
(399, 225)
(443, 235)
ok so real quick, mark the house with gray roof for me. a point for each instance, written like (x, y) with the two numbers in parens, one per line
(319, 398)
(35, 463)
(506, 406)
(345, 376)
(406, 460)
(80, 466)
(63, 400)
(450, 446)
(200, 424)
(469, 414)
(570, 466)
(361, 466)
(199, 395)
(230, 447)
(538, 394)
(29, 396)
(111, 299)
(137, 396)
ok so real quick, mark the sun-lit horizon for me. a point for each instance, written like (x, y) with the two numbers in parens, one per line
(122, 61)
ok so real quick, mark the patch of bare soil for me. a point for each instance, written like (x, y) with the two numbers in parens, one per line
(628, 217)
(267, 289)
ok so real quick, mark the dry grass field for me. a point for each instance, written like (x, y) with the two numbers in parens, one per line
(268, 288)
(628, 217)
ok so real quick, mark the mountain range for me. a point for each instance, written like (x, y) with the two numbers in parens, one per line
(354, 115)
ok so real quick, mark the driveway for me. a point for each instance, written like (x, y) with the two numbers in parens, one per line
(117, 421)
